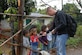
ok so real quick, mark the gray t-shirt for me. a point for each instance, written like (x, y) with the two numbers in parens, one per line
(25, 44)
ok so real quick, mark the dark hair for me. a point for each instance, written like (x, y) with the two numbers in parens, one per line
(43, 28)
(32, 26)
(32, 29)
(25, 31)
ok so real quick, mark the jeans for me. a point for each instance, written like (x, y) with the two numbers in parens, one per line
(49, 45)
(45, 47)
(61, 44)
(34, 47)
(53, 41)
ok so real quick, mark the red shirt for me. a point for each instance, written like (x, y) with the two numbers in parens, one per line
(34, 38)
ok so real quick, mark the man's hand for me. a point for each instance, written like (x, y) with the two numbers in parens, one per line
(45, 43)
(53, 31)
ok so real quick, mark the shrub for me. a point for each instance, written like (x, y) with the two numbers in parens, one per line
(0, 52)
(73, 42)
(79, 31)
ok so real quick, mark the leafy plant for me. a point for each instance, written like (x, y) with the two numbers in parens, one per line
(11, 10)
(0, 52)
(79, 31)
(73, 42)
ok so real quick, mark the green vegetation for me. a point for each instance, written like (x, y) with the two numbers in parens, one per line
(73, 11)
(0, 52)
(10, 6)
(75, 42)
(79, 31)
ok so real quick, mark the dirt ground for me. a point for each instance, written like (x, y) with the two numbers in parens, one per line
(72, 51)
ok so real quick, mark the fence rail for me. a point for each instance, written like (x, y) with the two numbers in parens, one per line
(17, 33)
(27, 16)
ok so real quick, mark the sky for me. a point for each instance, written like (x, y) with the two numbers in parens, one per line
(57, 3)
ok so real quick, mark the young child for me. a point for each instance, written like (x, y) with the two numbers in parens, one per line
(43, 38)
(25, 42)
(49, 37)
(34, 39)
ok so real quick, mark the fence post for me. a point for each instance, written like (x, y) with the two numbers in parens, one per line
(20, 25)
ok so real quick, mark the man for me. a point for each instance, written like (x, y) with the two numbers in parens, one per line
(59, 27)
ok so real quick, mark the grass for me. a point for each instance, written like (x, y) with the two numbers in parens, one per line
(0, 52)
(74, 42)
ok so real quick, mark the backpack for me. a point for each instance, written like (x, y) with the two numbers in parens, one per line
(71, 25)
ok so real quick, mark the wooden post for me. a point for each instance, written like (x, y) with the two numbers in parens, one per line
(20, 20)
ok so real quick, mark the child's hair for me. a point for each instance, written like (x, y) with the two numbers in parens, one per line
(25, 32)
(43, 28)
(32, 29)
(32, 26)
(49, 25)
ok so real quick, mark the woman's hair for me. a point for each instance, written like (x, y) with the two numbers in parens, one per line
(25, 32)
(43, 28)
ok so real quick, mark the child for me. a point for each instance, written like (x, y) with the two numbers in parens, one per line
(49, 37)
(43, 38)
(34, 39)
(25, 42)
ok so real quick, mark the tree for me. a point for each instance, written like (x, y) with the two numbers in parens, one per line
(43, 11)
(3, 6)
(73, 10)
(12, 3)
(29, 5)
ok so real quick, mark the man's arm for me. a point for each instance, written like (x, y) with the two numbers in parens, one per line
(52, 26)
(62, 20)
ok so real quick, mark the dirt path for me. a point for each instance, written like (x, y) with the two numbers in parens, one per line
(6, 50)
(72, 51)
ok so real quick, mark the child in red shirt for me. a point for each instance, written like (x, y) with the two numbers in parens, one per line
(34, 39)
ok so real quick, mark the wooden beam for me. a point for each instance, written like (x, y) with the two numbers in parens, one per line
(20, 25)
(26, 16)
(16, 33)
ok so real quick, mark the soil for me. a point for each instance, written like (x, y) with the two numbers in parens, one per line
(74, 51)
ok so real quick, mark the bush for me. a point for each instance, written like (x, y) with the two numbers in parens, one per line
(0, 52)
(38, 27)
(73, 42)
(79, 31)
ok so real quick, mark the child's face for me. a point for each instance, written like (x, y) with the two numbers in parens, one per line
(47, 29)
(35, 31)
(27, 34)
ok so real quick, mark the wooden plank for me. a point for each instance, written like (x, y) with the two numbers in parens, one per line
(20, 25)
(26, 16)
